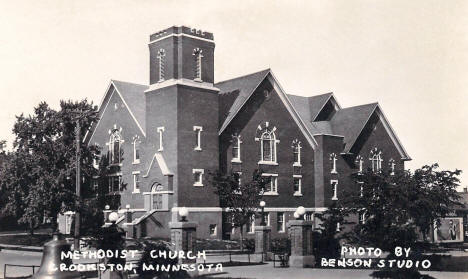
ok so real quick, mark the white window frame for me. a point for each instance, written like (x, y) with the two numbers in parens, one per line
(334, 159)
(201, 172)
(136, 174)
(338, 226)
(311, 214)
(267, 215)
(116, 134)
(198, 130)
(136, 142)
(392, 164)
(215, 229)
(238, 146)
(376, 160)
(273, 184)
(361, 188)
(360, 163)
(273, 148)
(197, 52)
(160, 131)
(334, 184)
(161, 54)
(299, 177)
(110, 177)
(297, 146)
(239, 173)
(283, 225)
(252, 224)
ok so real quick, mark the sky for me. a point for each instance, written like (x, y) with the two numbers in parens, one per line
(410, 56)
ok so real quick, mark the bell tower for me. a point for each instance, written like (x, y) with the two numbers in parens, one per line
(181, 53)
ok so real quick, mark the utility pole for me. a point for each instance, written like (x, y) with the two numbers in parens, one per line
(76, 242)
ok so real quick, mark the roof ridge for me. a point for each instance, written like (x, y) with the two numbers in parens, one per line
(364, 105)
(128, 82)
(226, 80)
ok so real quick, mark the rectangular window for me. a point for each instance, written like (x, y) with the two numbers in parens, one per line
(198, 130)
(136, 182)
(272, 184)
(198, 177)
(236, 156)
(160, 131)
(114, 183)
(308, 216)
(280, 224)
(251, 224)
(334, 184)
(266, 218)
(213, 229)
(297, 181)
(136, 151)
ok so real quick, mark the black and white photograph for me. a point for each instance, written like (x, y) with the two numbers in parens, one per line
(233, 139)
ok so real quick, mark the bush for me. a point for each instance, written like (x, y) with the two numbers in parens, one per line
(249, 244)
(325, 246)
(281, 245)
(159, 261)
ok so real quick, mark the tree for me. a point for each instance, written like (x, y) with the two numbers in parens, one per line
(327, 240)
(396, 207)
(240, 199)
(39, 178)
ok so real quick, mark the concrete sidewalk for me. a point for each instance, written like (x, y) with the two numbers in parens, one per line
(267, 271)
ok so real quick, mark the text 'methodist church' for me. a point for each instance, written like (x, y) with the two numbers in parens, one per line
(167, 136)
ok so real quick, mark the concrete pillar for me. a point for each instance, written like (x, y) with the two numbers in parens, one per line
(262, 242)
(183, 236)
(300, 233)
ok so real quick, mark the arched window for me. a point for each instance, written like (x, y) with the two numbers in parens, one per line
(360, 163)
(198, 64)
(156, 197)
(296, 146)
(160, 56)
(376, 160)
(115, 142)
(268, 145)
(136, 150)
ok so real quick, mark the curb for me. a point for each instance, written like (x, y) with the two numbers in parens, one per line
(21, 248)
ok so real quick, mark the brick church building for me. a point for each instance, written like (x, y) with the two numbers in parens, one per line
(167, 136)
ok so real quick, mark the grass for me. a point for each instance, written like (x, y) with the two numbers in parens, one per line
(25, 240)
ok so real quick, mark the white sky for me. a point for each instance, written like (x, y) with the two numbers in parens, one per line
(410, 56)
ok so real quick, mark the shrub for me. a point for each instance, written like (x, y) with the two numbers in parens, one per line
(148, 260)
(249, 244)
(281, 245)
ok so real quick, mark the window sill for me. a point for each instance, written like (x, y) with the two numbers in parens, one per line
(334, 199)
(160, 149)
(198, 184)
(334, 172)
(297, 194)
(136, 192)
(267, 163)
(297, 165)
(281, 231)
(270, 194)
(136, 162)
(197, 149)
(236, 161)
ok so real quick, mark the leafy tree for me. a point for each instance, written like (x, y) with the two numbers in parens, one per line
(240, 199)
(398, 206)
(39, 180)
(327, 239)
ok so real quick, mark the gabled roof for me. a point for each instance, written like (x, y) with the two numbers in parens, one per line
(234, 93)
(349, 122)
(132, 96)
